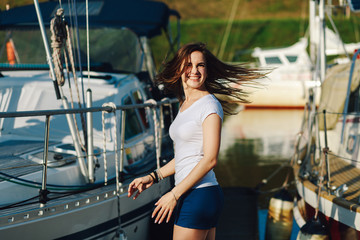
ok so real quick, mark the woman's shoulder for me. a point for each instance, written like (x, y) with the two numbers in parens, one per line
(211, 99)
(211, 105)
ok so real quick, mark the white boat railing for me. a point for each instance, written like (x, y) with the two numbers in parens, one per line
(90, 140)
(84, 110)
(108, 108)
(326, 151)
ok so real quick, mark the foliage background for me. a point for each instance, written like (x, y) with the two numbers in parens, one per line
(257, 23)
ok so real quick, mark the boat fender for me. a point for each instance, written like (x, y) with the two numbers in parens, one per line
(10, 53)
(280, 216)
(312, 230)
(120, 235)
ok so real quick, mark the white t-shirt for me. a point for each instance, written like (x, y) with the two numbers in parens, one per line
(186, 132)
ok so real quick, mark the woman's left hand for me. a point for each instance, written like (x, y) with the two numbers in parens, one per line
(164, 207)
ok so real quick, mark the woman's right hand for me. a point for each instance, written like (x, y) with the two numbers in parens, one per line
(139, 185)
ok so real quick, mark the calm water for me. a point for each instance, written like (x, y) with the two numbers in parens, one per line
(254, 144)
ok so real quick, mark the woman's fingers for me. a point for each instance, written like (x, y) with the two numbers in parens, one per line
(155, 211)
(130, 189)
(169, 215)
(136, 195)
(164, 208)
(161, 213)
(138, 185)
(134, 186)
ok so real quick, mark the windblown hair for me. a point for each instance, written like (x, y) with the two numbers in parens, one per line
(223, 80)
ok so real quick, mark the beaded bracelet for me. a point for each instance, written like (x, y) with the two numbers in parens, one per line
(153, 178)
(156, 179)
(159, 174)
(173, 195)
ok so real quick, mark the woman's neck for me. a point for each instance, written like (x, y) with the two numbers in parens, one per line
(194, 94)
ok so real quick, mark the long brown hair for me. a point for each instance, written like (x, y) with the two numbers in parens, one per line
(223, 80)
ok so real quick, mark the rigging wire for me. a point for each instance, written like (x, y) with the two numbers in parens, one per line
(228, 29)
(88, 40)
(17, 204)
(272, 190)
(77, 40)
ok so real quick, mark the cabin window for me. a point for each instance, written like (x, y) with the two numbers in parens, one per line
(119, 51)
(354, 101)
(139, 100)
(132, 123)
(291, 59)
(272, 60)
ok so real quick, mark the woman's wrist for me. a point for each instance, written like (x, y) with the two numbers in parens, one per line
(175, 192)
(152, 178)
(156, 175)
(159, 173)
(174, 195)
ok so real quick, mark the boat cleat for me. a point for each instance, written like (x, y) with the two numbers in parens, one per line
(339, 191)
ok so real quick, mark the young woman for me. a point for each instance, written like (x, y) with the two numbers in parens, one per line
(205, 87)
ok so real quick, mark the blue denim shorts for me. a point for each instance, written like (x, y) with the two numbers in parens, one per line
(200, 208)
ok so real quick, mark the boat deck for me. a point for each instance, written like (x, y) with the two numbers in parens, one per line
(343, 206)
(342, 172)
(11, 162)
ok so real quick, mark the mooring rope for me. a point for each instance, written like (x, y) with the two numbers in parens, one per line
(272, 190)
(156, 131)
(61, 36)
(58, 35)
(321, 179)
(104, 147)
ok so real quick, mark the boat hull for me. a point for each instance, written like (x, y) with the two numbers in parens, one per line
(341, 217)
(279, 94)
(88, 216)
(335, 227)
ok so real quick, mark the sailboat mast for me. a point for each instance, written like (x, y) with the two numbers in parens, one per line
(317, 36)
(322, 40)
(59, 95)
(312, 14)
(47, 49)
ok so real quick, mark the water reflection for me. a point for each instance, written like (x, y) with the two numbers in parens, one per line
(254, 144)
(270, 132)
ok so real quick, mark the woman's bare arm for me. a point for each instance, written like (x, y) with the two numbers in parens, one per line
(211, 142)
(138, 185)
(168, 169)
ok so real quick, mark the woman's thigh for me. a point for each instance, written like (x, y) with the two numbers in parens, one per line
(199, 208)
(211, 234)
(182, 233)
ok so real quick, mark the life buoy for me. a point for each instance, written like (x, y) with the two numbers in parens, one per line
(313, 230)
(280, 216)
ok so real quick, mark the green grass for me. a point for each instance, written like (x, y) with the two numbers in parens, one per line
(247, 34)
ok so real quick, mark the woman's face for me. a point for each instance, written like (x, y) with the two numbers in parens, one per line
(195, 72)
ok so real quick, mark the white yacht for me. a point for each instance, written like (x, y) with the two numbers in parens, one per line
(74, 137)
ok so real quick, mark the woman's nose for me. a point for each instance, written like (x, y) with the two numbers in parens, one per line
(194, 70)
